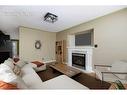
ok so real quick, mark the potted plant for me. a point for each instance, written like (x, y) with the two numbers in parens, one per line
(119, 85)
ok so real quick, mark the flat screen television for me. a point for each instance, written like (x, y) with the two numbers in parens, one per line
(84, 39)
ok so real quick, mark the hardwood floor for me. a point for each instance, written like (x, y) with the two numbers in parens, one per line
(82, 78)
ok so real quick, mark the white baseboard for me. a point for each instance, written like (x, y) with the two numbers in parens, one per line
(82, 69)
(49, 61)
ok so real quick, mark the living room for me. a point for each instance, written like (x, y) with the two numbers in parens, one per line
(35, 41)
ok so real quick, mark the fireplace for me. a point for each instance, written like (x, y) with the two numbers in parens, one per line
(86, 52)
(78, 60)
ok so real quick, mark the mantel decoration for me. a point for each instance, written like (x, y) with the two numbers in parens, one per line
(38, 44)
(49, 17)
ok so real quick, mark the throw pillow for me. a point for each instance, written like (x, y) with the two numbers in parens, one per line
(10, 59)
(20, 63)
(6, 73)
(9, 62)
(7, 86)
(17, 70)
(16, 59)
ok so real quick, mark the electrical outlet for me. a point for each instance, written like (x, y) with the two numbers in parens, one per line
(42, 58)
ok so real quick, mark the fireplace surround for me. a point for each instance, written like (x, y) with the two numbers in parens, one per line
(88, 51)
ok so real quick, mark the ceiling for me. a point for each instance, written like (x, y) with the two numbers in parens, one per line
(11, 17)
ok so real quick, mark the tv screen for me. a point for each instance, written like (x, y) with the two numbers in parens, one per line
(84, 39)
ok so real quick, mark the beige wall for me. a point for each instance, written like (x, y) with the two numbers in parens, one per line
(110, 33)
(27, 49)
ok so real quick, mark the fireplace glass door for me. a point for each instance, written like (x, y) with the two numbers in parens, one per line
(78, 60)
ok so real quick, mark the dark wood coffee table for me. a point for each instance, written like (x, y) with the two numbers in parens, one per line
(64, 69)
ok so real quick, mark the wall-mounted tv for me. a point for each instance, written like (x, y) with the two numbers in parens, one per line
(84, 39)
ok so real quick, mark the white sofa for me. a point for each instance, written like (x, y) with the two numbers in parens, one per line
(33, 81)
(30, 79)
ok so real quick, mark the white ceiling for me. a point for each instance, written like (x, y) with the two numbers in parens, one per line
(11, 17)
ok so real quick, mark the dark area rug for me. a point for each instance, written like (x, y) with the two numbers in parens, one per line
(83, 78)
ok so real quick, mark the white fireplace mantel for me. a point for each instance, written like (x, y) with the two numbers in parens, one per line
(88, 50)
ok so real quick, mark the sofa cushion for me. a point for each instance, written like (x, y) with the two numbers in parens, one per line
(120, 66)
(30, 77)
(9, 62)
(7, 75)
(62, 82)
(5, 85)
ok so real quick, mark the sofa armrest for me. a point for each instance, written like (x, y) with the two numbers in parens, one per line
(33, 65)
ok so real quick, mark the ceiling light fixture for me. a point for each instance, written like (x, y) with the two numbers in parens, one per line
(49, 17)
